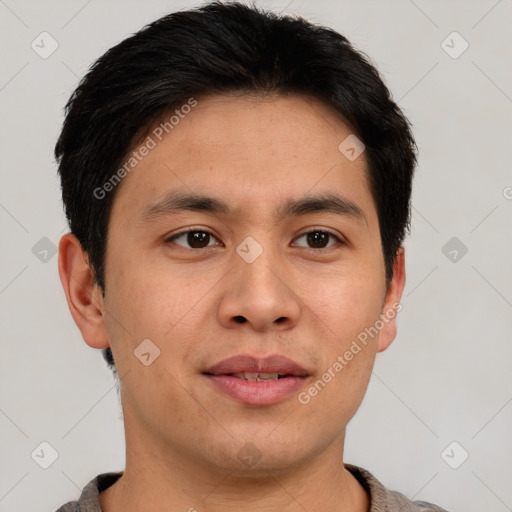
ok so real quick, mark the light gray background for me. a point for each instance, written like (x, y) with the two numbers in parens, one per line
(446, 378)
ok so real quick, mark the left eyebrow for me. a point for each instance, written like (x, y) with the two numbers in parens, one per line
(175, 201)
(330, 203)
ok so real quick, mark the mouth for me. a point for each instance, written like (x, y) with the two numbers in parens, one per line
(258, 377)
(257, 381)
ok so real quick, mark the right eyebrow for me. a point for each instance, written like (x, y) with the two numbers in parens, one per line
(179, 201)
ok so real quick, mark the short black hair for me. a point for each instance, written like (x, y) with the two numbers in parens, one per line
(217, 49)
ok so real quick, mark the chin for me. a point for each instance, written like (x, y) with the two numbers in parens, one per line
(257, 456)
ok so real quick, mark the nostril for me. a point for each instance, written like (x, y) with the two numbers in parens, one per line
(240, 319)
(280, 320)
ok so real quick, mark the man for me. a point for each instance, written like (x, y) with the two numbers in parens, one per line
(237, 186)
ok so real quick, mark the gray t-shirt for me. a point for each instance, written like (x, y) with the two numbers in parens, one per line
(381, 500)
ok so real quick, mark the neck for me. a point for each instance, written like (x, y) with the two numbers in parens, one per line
(158, 475)
(144, 487)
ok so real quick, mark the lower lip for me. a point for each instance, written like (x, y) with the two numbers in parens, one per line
(259, 393)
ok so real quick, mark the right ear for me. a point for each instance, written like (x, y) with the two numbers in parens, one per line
(84, 297)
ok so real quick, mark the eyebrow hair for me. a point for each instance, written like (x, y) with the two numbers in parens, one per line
(331, 203)
(175, 202)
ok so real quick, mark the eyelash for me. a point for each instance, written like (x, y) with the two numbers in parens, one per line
(314, 230)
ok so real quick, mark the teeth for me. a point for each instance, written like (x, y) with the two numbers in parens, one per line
(247, 375)
(256, 376)
(267, 376)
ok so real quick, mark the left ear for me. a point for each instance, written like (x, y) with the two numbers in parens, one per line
(392, 305)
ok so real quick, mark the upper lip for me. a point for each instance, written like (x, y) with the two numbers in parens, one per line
(246, 363)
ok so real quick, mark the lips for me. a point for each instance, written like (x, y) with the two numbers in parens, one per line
(257, 381)
(249, 364)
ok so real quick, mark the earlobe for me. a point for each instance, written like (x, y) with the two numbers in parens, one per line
(392, 302)
(83, 295)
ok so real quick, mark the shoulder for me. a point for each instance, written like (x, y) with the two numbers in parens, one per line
(384, 500)
(89, 499)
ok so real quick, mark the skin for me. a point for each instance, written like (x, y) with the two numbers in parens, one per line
(182, 434)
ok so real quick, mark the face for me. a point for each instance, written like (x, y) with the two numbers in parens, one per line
(245, 233)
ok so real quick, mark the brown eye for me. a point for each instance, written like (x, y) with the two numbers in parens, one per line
(194, 239)
(198, 239)
(317, 239)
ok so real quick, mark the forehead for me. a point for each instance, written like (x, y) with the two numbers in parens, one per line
(249, 150)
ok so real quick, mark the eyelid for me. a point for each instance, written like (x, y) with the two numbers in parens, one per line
(170, 238)
(321, 229)
(311, 229)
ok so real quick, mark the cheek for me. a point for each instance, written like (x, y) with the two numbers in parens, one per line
(140, 306)
(149, 301)
(151, 305)
(343, 311)
(341, 315)
(333, 398)
(345, 305)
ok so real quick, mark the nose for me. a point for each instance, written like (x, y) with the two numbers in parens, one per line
(259, 296)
